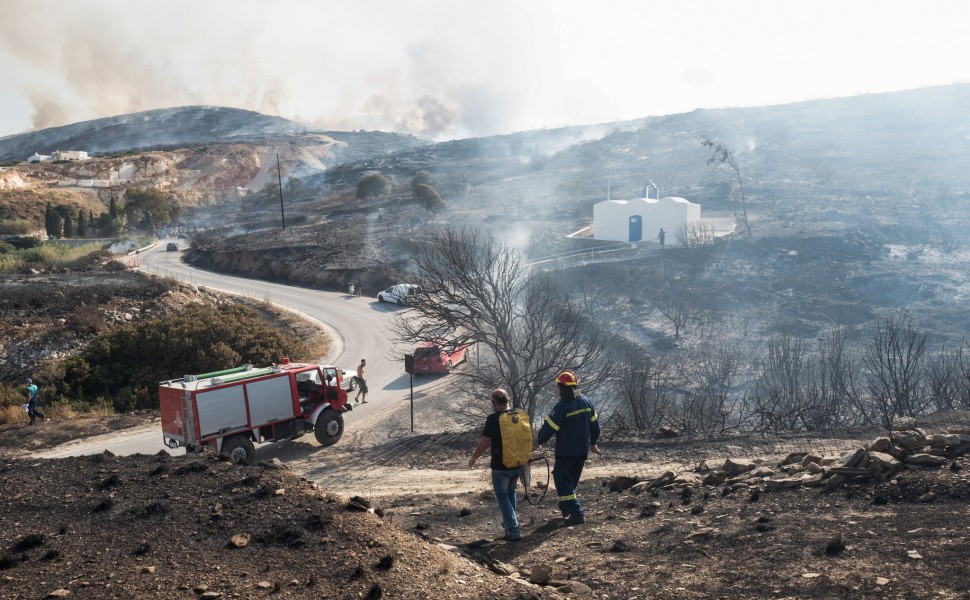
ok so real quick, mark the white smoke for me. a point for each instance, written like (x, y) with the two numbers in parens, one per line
(449, 69)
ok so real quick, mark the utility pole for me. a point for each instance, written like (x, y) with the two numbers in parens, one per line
(279, 174)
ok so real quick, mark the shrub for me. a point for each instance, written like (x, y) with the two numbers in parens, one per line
(125, 365)
(373, 185)
(429, 198)
(22, 243)
(16, 227)
(422, 176)
(44, 254)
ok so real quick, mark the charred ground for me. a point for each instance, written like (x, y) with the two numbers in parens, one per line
(155, 526)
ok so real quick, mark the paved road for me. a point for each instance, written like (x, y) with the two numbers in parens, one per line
(357, 325)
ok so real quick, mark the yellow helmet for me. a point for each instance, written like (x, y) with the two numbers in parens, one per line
(567, 378)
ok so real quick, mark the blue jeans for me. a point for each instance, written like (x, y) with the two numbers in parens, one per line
(503, 483)
(566, 474)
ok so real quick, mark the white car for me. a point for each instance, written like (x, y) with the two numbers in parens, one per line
(349, 377)
(397, 293)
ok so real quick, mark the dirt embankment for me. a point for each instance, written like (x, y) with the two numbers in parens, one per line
(203, 528)
(46, 316)
(323, 256)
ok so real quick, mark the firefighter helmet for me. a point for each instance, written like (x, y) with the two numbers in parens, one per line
(567, 378)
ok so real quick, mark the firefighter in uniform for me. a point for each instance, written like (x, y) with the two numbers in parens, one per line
(574, 423)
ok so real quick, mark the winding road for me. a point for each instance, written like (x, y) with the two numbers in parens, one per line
(357, 327)
(377, 439)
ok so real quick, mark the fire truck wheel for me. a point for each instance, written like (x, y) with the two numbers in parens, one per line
(239, 450)
(329, 427)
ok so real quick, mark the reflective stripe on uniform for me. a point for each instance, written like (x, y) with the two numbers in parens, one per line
(567, 498)
(594, 417)
(552, 424)
(576, 412)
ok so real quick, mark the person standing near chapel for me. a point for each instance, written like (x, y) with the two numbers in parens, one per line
(575, 424)
(504, 478)
(361, 383)
(32, 402)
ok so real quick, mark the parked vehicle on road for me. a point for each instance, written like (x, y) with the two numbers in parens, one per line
(172, 247)
(230, 411)
(433, 357)
(350, 376)
(398, 293)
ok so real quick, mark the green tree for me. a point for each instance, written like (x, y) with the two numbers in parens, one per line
(126, 364)
(51, 226)
(429, 198)
(373, 185)
(52, 222)
(150, 207)
(113, 207)
(68, 226)
(82, 225)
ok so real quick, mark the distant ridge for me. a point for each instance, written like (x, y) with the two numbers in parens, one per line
(167, 127)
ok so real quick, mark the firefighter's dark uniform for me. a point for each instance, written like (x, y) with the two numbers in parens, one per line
(575, 425)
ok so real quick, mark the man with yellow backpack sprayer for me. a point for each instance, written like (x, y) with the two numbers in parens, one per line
(509, 435)
(575, 424)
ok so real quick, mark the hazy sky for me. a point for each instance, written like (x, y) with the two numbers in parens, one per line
(454, 68)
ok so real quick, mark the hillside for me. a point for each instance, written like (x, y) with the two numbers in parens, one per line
(188, 126)
(199, 155)
(858, 210)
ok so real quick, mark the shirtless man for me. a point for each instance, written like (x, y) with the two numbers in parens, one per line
(361, 383)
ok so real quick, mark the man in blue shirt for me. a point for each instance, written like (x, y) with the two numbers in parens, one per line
(574, 423)
(32, 402)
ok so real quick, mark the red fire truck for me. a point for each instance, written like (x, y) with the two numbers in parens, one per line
(230, 411)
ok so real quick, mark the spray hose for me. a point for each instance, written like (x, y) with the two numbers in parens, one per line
(537, 459)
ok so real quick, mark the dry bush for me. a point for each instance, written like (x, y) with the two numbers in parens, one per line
(12, 414)
(87, 319)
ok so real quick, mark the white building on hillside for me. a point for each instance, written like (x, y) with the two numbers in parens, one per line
(642, 218)
(70, 155)
(36, 158)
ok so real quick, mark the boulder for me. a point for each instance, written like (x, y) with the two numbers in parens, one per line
(909, 440)
(925, 460)
(793, 459)
(903, 424)
(715, 478)
(762, 472)
(853, 458)
(811, 459)
(811, 480)
(541, 574)
(814, 469)
(881, 444)
(502, 568)
(887, 461)
(737, 466)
